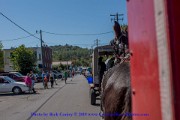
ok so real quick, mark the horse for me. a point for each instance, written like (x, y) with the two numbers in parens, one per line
(115, 86)
(116, 93)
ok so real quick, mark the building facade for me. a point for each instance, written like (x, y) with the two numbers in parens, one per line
(46, 58)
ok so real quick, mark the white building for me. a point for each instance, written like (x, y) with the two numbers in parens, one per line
(47, 57)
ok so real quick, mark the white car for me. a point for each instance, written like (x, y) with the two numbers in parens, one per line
(9, 85)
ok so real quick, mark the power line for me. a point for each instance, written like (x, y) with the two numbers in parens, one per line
(77, 34)
(17, 38)
(18, 25)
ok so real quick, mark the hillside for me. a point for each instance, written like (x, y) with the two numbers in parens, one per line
(71, 53)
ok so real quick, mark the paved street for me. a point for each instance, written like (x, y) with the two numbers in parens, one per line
(63, 102)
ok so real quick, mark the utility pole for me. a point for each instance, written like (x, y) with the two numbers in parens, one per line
(42, 55)
(42, 50)
(97, 42)
(116, 17)
(92, 49)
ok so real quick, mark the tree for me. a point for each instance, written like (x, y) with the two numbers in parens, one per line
(69, 52)
(1, 57)
(23, 59)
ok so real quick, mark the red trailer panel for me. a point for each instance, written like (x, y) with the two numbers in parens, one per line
(144, 62)
(155, 43)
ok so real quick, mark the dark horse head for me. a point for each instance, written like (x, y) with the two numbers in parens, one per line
(117, 29)
(120, 42)
(116, 89)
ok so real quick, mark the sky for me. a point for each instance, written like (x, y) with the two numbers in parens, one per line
(69, 17)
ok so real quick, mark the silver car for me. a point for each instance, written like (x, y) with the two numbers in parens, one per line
(9, 85)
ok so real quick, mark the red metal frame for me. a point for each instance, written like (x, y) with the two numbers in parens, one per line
(144, 62)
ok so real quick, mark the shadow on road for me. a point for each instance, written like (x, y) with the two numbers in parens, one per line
(11, 94)
(7, 94)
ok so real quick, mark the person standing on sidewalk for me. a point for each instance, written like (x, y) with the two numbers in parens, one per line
(45, 82)
(28, 82)
(33, 78)
(72, 74)
(54, 77)
(51, 78)
(65, 75)
(43, 76)
(48, 75)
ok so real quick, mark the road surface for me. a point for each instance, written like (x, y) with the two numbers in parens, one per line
(63, 102)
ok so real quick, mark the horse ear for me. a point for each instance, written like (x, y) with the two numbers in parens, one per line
(117, 29)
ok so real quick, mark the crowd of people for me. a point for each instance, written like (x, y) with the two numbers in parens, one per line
(46, 77)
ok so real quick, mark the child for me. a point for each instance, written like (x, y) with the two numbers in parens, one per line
(45, 82)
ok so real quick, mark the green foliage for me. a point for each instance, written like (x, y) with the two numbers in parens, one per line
(1, 58)
(79, 56)
(23, 59)
(1, 45)
(60, 67)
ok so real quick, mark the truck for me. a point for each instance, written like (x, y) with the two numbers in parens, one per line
(95, 90)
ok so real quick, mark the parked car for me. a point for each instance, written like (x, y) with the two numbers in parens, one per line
(14, 76)
(57, 74)
(9, 85)
(17, 73)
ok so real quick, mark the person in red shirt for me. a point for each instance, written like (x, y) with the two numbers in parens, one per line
(28, 82)
(46, 82)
